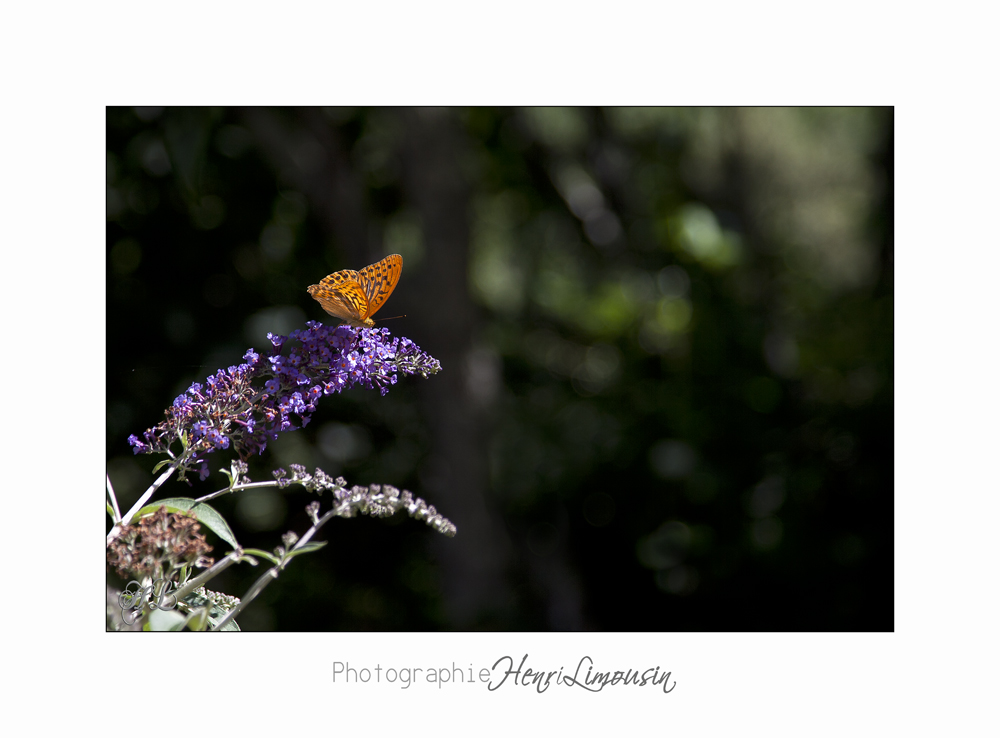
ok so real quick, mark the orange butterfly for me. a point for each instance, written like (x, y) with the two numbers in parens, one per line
(355, 297)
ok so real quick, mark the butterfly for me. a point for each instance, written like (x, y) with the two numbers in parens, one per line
(355, 297)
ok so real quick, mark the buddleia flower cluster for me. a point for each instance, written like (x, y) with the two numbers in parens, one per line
(242, 408)
(376, 500)
(245, 406)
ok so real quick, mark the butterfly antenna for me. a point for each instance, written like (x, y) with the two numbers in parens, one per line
(392, 318)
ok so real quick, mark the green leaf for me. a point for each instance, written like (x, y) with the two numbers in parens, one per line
(263, 554)
(166, 620)
(198, 620)
(111, 511)
(211, 518)
(307, 548)
(206, 514)
(161, 465)
(173, 504)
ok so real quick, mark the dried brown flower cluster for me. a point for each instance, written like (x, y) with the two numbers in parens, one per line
(158, 545)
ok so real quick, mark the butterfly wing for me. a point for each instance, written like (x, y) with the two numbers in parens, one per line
(339, 279)
(379, 280)
(342, 296)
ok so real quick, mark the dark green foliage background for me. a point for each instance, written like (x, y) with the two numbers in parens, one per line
(667, 398)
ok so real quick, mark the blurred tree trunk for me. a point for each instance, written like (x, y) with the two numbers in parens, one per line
(457, 402)
(305, 150)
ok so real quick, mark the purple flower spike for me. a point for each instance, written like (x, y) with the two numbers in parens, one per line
(249, 404)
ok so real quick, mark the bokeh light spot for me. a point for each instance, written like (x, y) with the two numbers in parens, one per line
(666, 546)
(672, 459)
(260, 509)
(126, 256)
(766, 534)
(343, 443)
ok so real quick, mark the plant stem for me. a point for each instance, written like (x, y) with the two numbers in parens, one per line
(191, 585)
(114, 500)
(117, 529)
(234, 488)
(274, 572)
